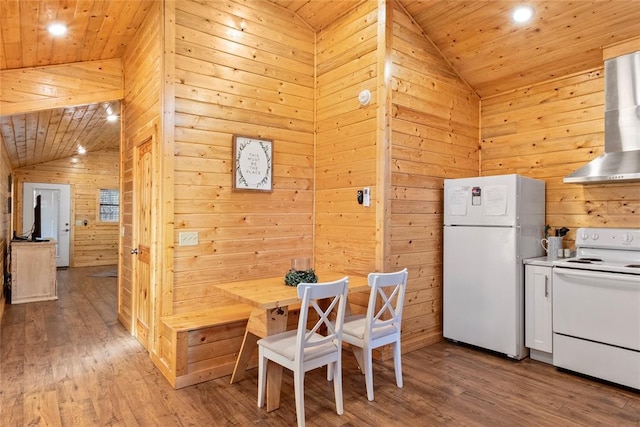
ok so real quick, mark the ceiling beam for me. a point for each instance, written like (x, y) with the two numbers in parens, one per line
(26, 90)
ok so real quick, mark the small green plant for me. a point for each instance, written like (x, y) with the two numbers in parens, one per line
(294, 277)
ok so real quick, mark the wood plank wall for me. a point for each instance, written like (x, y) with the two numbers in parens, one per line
(549, 130)
(6, 192)
(141, 120)
(434, 136)
(435, 132)
(242, 67)
(97, 242)
(346, 150)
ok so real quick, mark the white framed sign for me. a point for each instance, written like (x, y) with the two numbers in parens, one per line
(252, 163)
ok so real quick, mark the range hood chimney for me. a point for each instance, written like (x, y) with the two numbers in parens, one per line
(621, 158)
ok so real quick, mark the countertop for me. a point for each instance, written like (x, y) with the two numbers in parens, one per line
(543, 261)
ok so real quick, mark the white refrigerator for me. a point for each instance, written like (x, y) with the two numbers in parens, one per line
(490, 225)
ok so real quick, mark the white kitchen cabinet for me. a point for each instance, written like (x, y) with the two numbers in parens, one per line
(538, 312)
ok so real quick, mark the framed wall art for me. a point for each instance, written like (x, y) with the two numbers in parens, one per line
(252, 163)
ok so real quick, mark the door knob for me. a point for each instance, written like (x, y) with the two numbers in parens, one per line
(134, 251)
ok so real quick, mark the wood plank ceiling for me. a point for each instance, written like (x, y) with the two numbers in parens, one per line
(59, 133)
(97, 30)
(495, 55)
(477, 37)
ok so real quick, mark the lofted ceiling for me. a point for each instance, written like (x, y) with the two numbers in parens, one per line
(56, 134)
(493, 54)
(98, 30)
(477, 37)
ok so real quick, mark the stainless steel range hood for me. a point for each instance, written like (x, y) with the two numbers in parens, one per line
(621, 158)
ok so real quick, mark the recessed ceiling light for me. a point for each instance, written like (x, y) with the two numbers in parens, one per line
(81, 149)
(522, 14)
(57, 29)
(112, 118)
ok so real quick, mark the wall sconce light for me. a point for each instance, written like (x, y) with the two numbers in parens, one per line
(364, 97)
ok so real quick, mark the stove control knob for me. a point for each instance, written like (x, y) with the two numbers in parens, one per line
(627, 237)
(595, 236)
(584, 236)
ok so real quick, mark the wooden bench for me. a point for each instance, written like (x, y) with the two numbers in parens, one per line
(201, 345)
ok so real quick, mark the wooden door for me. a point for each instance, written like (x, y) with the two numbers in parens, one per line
(142, 225)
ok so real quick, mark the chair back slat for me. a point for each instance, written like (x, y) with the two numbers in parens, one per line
(386, 300)
(311, 294)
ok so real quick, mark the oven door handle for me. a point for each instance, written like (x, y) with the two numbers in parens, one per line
(599, 276)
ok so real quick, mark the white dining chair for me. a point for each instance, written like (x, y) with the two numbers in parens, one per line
(381, 325)
(304, 349)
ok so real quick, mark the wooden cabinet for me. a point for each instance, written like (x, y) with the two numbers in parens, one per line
(33, 271)
(538, 312)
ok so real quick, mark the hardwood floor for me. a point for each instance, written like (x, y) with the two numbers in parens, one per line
(69, 362)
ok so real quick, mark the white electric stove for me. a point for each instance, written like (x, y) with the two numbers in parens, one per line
(596, 306)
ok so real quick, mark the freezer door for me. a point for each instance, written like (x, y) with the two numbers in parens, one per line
(484, 289)
(500, 200)
(489, 201)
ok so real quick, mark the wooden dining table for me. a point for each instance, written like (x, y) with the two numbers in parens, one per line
(270, 299)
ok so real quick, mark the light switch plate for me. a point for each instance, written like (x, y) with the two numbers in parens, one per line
(188, 238)
(366, 196)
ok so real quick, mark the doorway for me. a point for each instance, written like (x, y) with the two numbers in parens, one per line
(55, 213)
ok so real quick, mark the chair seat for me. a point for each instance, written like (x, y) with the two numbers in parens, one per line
(285, 345)
(355, 325)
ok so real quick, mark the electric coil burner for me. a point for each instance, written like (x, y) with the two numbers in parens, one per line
(596, 306)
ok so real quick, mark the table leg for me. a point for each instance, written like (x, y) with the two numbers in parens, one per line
(249, 344)
(274, 384)
(357, 353)
(262, 323)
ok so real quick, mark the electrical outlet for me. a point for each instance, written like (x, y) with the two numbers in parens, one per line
(188, 238)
